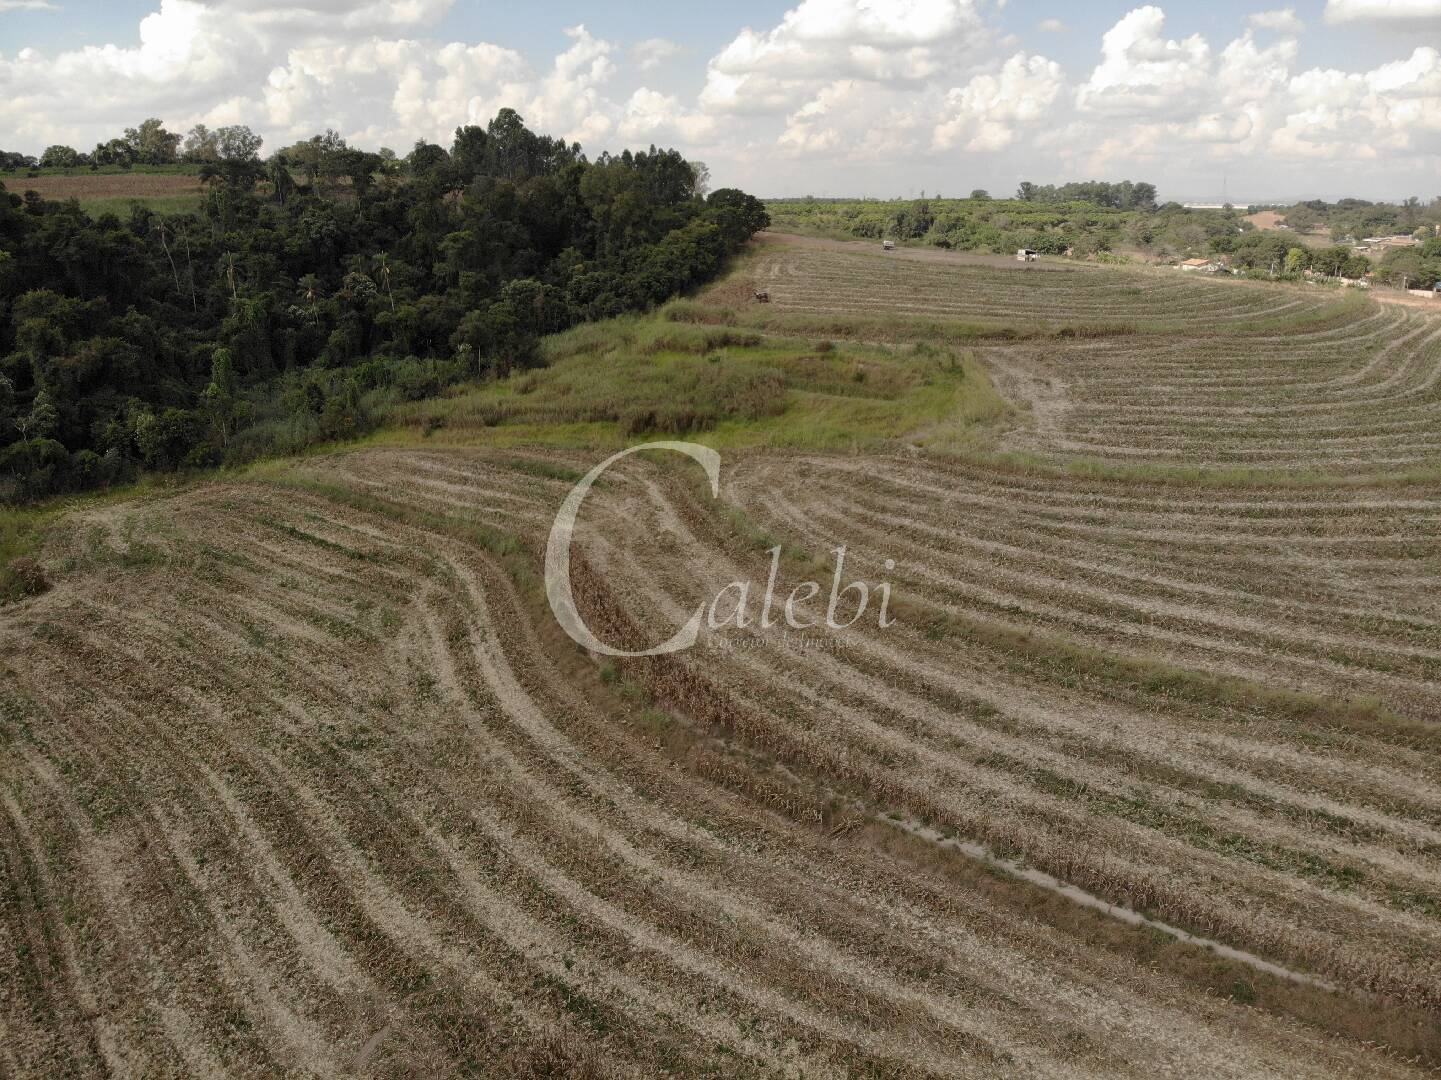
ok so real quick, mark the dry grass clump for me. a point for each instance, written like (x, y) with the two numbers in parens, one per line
(25, 576)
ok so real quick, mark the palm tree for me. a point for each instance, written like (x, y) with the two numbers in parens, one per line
(382, 271)
(310, 289)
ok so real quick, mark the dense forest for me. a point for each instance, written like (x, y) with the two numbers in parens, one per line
(316, 286)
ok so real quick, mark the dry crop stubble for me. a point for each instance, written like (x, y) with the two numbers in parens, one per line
(363, 802)
(300, 775)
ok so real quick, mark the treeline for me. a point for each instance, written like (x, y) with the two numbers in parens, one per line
(1350, 221)
(148, 144)
(1277, 255)
(981, 223)
(1357, 219)
(314, 288)
(1120, 196)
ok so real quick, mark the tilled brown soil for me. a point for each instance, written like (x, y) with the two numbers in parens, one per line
(299, 777)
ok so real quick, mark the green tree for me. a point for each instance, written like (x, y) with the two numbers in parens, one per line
(310, 291)
(282, 184)
(383, 272)
(153, 145)
(223, 405)
(700, 186)
(42, 419)
(238, 143)
(59, 157)
(201, 145)
(115, 152)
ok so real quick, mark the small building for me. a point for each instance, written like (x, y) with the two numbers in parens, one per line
(1380, 245)
(888, 245)
(1027, 255)
(1203, 266)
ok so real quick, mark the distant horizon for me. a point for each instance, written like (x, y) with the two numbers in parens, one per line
(1335, 95)
(1161, 198)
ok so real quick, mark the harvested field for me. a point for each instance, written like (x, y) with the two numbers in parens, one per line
(98, 188)
(304, 747)
(1151, 367)
(1361, 396)
(828, 278)
(299, 774)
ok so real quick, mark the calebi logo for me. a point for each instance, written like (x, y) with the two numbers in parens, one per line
(732, 606)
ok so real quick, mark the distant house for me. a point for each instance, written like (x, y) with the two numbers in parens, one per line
(1027, 255)
(1380, 245)
(1203, 266)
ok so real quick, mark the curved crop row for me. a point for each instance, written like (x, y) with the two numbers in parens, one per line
(805, 277)
(296, 778)
(1363, 397)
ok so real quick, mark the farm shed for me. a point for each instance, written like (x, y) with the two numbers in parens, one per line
(1381, 245)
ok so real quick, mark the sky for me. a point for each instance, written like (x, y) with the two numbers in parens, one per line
(1225, 98)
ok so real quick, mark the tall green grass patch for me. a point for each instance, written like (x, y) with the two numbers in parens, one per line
(611, 384)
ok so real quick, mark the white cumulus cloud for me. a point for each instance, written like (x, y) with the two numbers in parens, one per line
(1143, 72)
(1284, 19)
(1341, 11)
(989, 110)
(652, 52)
(841, 95)
(903, 43)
